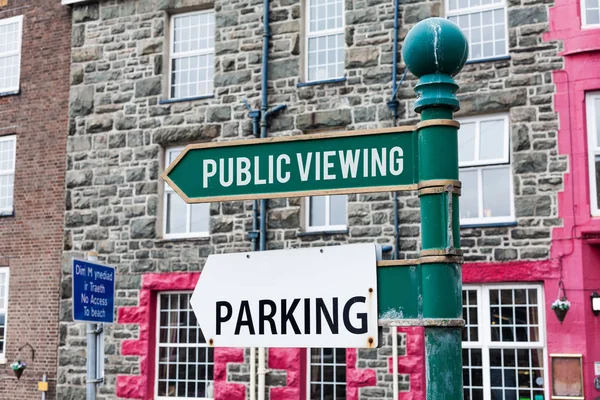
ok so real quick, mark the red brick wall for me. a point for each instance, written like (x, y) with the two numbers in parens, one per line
(32, 239)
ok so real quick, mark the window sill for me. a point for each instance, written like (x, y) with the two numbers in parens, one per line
(10, 93)
(489, 225)
(165, 240)
(323, 82)
(7, 213)
(169, 101)
(589, 27)
(323, 232)
(491, 59)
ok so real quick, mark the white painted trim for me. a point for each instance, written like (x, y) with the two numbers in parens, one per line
(69, 2)
(7, 21)
(478, 9)
(593, 148)
(173, 55)
(485, 343)
(327, 227)
(166, 192)
(11, 171)
(308, 35)
(6, 271)
(506, 149)
(584, 24)
(481, 165)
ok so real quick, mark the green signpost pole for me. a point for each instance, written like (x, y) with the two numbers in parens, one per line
(434, 51)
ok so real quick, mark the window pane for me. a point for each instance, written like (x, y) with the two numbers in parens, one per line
(470, 331)
(466, 142)
(327, 369)
(597, 112)
(185, 367)
(325, 57)
(200, 217)
(492, 139)
(472, 374)
(337, 209)
(192, 64)
(592, 17)
(9, 55)
(469, 200)
(317, 211)
(176, 214)
(485, 30)
(496, 192)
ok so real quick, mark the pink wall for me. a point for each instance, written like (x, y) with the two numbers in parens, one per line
(578, 257)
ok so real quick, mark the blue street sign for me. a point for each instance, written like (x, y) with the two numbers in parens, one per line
(93, 292)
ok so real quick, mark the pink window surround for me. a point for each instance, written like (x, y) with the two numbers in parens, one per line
(142, 386)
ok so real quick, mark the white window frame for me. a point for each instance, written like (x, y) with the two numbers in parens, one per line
(8, 172)
(484, 334)
(157, 352)
(488, 7)
(584, 23)
(488, 165)
(327, 227)
(327, 32)
(18, 52)
(6, 272)
(593, 148)
(173, 55)
(335, 364)
(168, 190)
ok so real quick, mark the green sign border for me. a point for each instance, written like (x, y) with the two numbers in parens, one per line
(250, 142)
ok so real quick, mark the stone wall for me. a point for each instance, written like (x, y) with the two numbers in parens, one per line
(119, 129)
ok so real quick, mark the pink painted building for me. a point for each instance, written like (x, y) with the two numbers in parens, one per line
(575, 246)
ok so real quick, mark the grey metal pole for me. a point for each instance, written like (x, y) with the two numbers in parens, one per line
(90, 392)
(44, 379)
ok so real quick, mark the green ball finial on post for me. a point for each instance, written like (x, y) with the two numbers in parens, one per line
(435, 50)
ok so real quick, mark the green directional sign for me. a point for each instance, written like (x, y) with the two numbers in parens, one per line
(348, 162)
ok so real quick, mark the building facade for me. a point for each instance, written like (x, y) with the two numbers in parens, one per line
(150, 76)
(34, 97)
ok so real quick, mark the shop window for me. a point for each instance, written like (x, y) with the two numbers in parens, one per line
(326, 213)
(182, 220)
(185, 364)
(485, 171)
(325, 40)
(326, 378)
(503, 342)
(10, 54)
(7, 173)
(593, 134)
(192, 55)
(484, 24)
